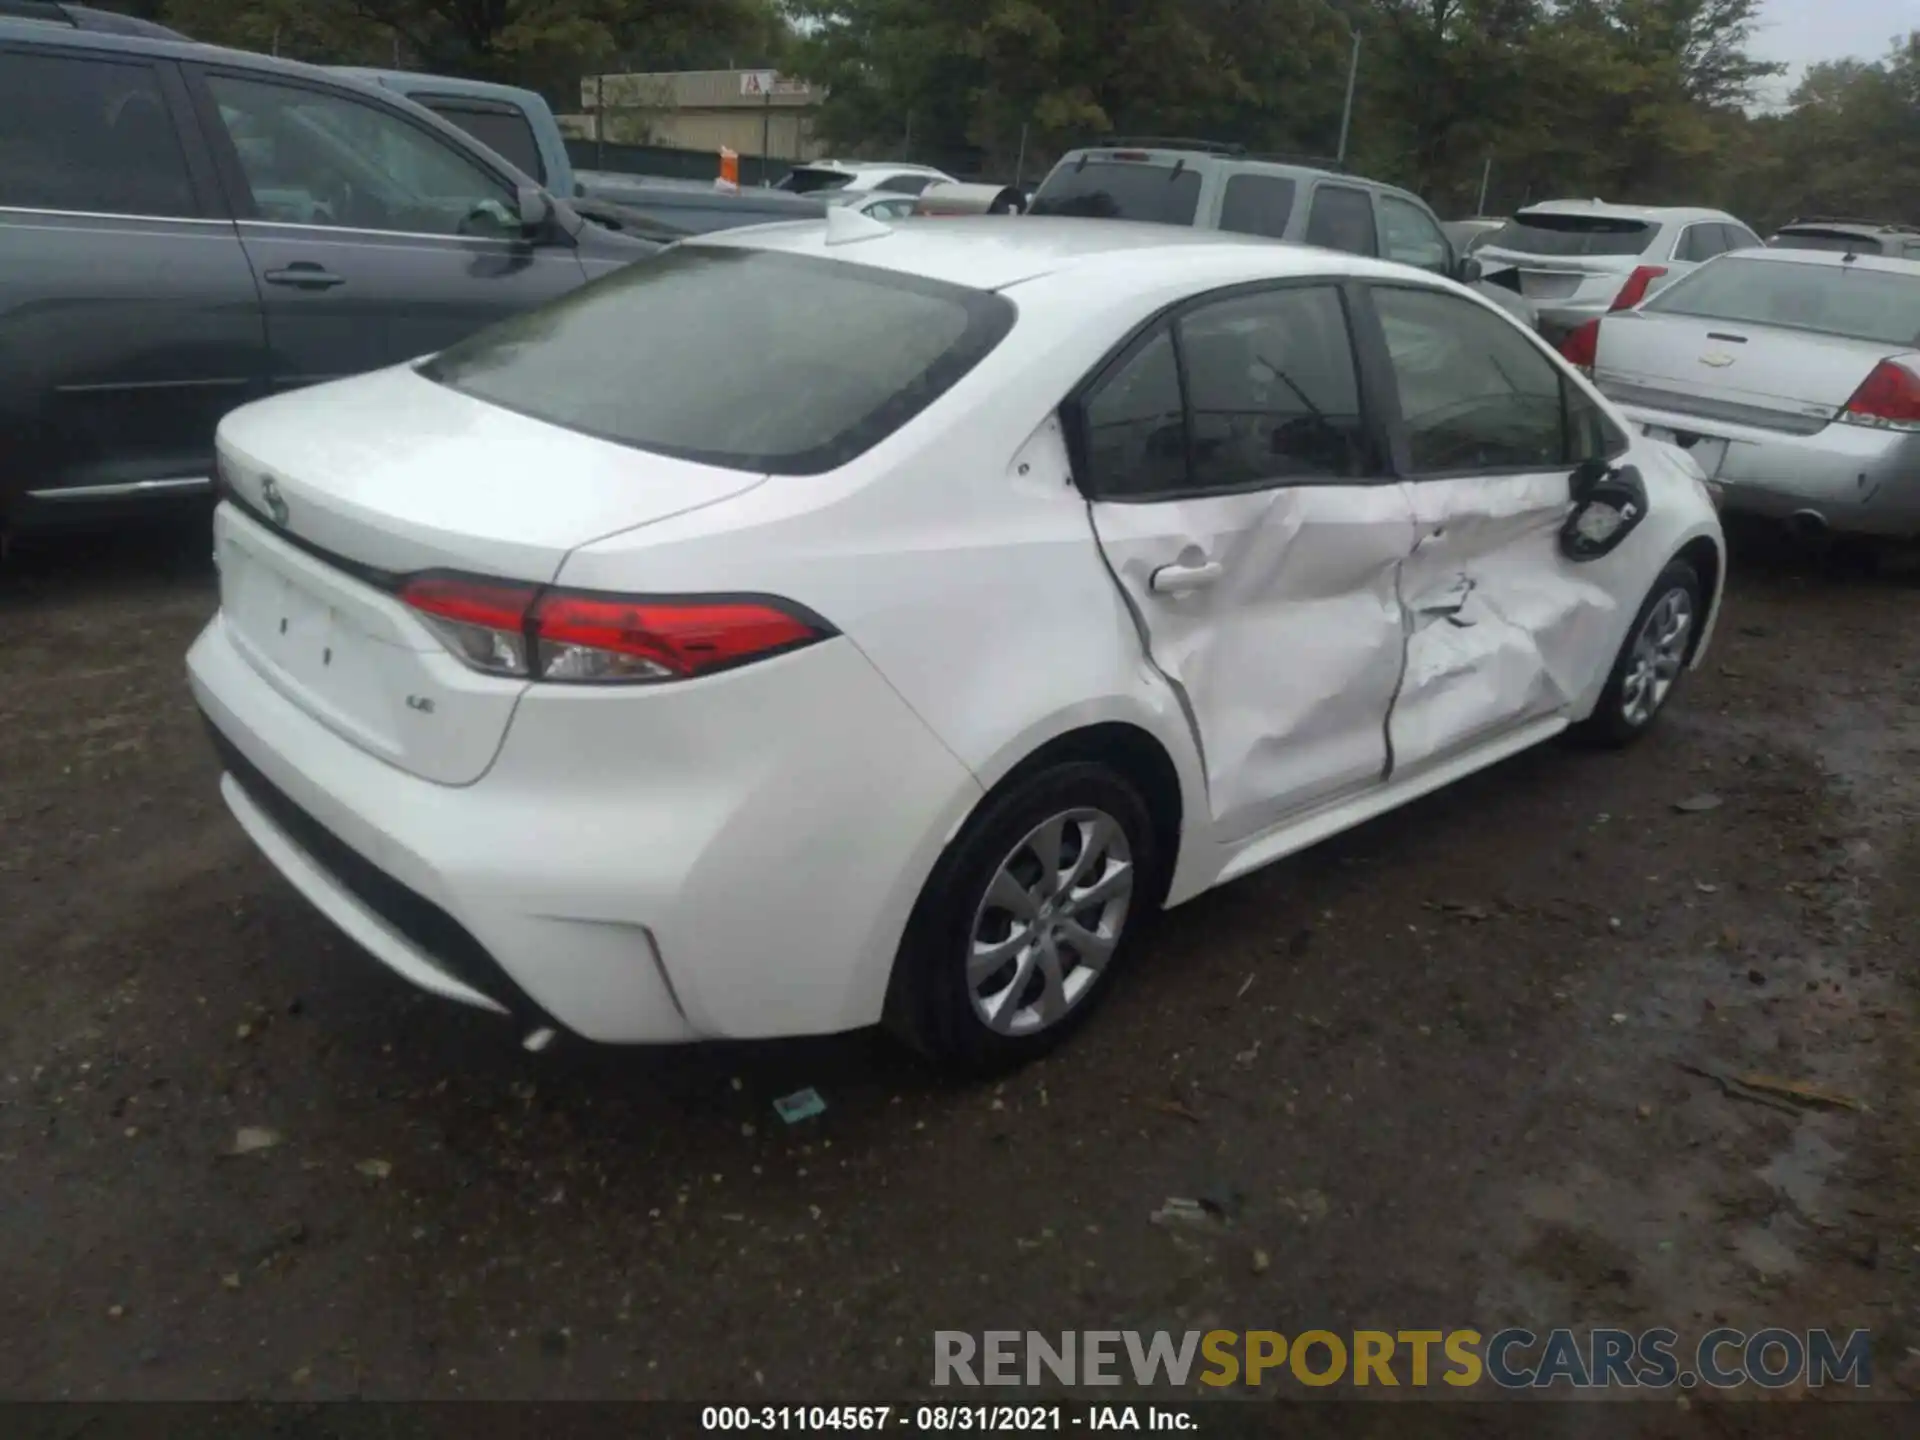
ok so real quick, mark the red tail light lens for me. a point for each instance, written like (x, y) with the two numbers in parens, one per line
(1889, 398)
(1582, 347)
(600, 639)
(484, 622)
(574, 637)
(1635, 290)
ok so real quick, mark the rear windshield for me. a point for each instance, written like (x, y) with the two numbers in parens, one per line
(1121, 190)
(805, 180)
(1824, 240)
(741, 358)
(1847, 300)
(1548, 234)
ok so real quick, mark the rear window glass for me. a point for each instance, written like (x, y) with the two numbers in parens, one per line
(1848, 300)
(740, 358)
(1121, 190)
(505, 132)
(1547, 234)
(805, 180)
(1824, 240)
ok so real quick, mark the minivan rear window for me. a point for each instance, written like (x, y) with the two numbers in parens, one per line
(1539, 233)
(1121, 190)
(747, 359)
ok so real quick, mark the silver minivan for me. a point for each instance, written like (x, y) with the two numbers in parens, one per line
(1221, 187)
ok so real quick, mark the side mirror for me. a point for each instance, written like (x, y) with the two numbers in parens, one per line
(1467, 270)
(1608, 504)
(533, 207)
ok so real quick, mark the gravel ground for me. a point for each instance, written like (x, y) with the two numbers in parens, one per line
(1435, 1070)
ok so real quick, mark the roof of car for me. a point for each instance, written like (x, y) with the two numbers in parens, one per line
(411, 82)
(991, 252)
(1675, 213)
(1830, 259)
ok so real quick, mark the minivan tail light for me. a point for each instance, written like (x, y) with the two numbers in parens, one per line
(1888, 398)
(1582, 346)
(1635, 290)
(582, 637)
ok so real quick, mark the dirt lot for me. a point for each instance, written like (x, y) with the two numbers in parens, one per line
(1433, 1070)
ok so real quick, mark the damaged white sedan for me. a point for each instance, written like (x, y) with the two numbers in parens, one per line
(829, 624)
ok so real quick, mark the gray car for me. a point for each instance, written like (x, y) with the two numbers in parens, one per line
(1791, 376)
(185, 228)
(1221, 187)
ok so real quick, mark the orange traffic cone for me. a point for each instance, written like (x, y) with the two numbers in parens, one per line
(729, 170)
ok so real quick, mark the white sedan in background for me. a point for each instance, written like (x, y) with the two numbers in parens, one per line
(830, 623)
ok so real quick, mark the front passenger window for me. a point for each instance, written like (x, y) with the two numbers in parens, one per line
(1474, 392)
(310, 157)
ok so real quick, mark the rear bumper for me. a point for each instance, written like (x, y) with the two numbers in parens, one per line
(1855, 479)
(734, 860)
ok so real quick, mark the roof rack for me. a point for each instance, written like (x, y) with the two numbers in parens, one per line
(1894, 225)
(1168, 142)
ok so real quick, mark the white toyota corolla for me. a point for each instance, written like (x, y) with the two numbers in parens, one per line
(836, 623)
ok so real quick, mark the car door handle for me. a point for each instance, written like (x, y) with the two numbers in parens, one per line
(1180, 579)
(305, 275)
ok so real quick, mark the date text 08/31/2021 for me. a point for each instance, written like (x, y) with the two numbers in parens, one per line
(921, 1419)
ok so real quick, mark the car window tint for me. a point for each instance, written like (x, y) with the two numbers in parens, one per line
(1136, 431)
(311, 157)
(904, 184)
(1121, 190)
(1271, 390)
(1257, 205)
(1474, 392)
(1554, 233)
(503, 130)
(651, 357)
(1832, 299)
(1411, 237)
(1342, 219)
(1738, 237)
(1834, 240)
(88, 135)
(1700, 242)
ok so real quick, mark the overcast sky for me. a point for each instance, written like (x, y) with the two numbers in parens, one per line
(1798, 32)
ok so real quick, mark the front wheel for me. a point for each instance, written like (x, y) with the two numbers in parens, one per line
(1649, 664)
(1020, 927)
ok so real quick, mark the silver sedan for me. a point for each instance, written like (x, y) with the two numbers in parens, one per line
(1792, 377)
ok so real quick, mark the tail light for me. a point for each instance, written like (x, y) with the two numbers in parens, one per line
(584, 638)
(1635, 290)
(1582, 346)
(1888, 398)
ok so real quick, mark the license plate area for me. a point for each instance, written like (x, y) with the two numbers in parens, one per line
(1708, 451)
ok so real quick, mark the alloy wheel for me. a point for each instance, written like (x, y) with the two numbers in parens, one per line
(1659, 651)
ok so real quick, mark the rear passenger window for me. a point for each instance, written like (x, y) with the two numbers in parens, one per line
(1701, 242)
(1342, 219)
(1136, 434)
(1257, 205)
(1271, 391)
(93, 136)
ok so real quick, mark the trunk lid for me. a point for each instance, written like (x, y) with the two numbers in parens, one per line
(1747, 374)
(349, 486)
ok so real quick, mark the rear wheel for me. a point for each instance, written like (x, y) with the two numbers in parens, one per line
(1020, 927)
(1650, 662)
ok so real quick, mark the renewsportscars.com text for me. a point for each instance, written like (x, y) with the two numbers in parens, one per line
(1511, 1359)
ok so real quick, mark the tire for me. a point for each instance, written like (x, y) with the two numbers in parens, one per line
(935, 1007)
(1622, 717)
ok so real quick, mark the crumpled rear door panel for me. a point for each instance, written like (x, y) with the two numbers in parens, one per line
(1289, 660)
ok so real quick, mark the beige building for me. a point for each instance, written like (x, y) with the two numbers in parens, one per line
(752, 112)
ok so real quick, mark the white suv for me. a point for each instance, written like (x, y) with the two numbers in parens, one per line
(1583, 258)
